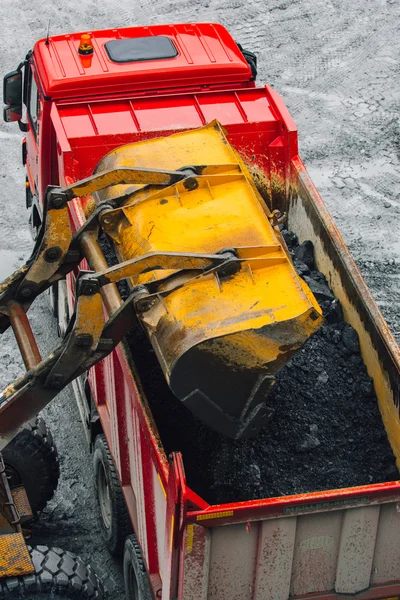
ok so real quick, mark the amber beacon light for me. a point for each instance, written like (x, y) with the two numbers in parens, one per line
(85, 50)
(85, 45)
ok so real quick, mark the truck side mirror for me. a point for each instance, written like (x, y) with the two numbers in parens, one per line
(12, 96)
(12, 88)
(12, 113)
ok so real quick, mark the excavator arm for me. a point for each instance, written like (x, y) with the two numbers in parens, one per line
(90, 337)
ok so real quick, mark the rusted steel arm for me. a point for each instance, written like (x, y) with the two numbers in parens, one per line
(143, 176)
(89, 337)
(155, 261)
(89, 340)
(127, 176)
(57, 251)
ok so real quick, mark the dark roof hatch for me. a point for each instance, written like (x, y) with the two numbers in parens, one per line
(141, 48)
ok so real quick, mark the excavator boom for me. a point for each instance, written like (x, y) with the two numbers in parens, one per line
(219, 297)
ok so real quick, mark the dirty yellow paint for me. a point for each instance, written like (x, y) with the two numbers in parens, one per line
(14, 556)
(189, 538)
(90, 317)
(117, 175)
(21, 501)
(161, 485)
(224, 211)
(216, 515)
(58, 234)
(252, 319)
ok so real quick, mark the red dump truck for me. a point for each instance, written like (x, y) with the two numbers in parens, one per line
(117, 116)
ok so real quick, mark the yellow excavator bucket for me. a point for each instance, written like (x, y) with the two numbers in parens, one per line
(221, 336)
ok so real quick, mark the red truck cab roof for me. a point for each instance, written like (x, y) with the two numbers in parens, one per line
(202, 54)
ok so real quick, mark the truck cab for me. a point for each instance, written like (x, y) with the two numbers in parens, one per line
(102, 89)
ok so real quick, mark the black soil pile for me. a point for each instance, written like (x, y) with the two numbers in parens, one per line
(326, 430)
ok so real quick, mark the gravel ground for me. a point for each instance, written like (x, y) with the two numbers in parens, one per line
(336, 64)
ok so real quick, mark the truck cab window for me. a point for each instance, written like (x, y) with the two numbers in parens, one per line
(33, 103)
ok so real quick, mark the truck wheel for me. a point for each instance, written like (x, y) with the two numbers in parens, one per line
(137, 583)
(31, 459)
(58, 575)
(114, 518)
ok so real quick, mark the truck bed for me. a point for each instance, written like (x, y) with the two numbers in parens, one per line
(329, 543)
(324, 543)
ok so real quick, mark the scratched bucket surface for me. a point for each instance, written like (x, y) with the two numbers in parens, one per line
(219, 340)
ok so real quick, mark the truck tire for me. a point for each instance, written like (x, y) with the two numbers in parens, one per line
(137, 583)
(58, 575)
(31, 459)
(114, 518)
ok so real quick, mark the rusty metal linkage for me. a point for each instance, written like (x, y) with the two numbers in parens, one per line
(89, 338)
(24, 335)
(57, 251)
